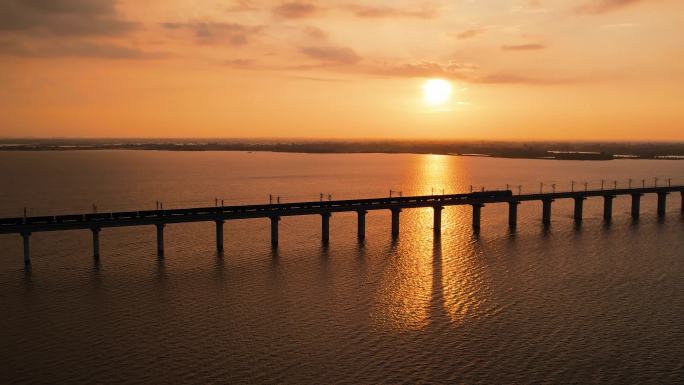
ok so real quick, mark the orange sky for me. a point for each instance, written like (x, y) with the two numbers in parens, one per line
(529, 69)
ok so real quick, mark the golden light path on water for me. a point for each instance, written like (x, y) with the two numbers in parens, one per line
(430, 280)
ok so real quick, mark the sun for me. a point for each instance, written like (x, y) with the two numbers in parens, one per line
(436, 91)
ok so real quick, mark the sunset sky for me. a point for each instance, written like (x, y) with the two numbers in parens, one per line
(528, 69)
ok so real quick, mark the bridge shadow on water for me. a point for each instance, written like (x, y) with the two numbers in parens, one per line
(438, 314)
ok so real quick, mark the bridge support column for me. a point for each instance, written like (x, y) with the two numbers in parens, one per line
(579, 207)
(662, 203)
(608, 207)
(219, 235)
(274, 231)
(96, 242)
(636, 205)
(477, 214)
(395, 222)
(361, 224)
(160, 239)
(513, 213)
(437, 220)
(546, 211)
(325, 227)
(27, 252)
(682, 201)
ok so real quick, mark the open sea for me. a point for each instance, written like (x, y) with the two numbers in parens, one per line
(591, 304)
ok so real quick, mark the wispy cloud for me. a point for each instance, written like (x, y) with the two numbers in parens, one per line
(530, 6)
(240, 63)
(242, 6)
(63, 18)
(314, 33)
(469, 33)
(346, 61)
(523, 47)
(514, 78)
(463, 72)
(331, 54)
(67, 28)
(296, 10)
(595, 7)
(209, 32)
(375, 12)
(308, 9)
(620, 25)
(423, 69)
(77, 49)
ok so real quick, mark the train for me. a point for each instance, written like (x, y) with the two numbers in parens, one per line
(151, 214)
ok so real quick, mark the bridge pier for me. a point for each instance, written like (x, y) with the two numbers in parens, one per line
(325, 227)
(682, 192)
(395, 222)
(636, 205)
(96, 242)
(662, 202)
(579, 207)
(274, 231)
(608, 207)
(477, 215)
(437, 220)
(546, 211)
(219, 235)
(160, 239)
(513, 213)
(27, 252)
(361, 224)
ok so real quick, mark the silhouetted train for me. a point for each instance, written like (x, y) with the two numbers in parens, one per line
(339, 205)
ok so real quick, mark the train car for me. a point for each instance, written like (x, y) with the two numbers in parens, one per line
(69, 218)
(11, 221)
(206, 210)
(179, 212)
(38, 220)
(492, 194)
(125, 215)
(150, 214)
(98, 217)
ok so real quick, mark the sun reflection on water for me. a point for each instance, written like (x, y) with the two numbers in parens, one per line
(403, 298)
(430, 280)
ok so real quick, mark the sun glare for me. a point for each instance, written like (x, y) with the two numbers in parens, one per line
(436, 91)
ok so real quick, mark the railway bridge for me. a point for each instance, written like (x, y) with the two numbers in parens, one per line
(95, 222)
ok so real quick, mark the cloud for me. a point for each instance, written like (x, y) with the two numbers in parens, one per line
(76, 49)
(315, 33)
(620, 25)
(296, 10)
(209, 32)
(456, 71)
(523, 47)
(530, 6)
(376, 12)
(510, 78)
(62, 17)
(424, 69)
(595, 7)
(306, 9)
(242, 6)
(331, 54)
(469, 33)
(345, 61)
(240, 63)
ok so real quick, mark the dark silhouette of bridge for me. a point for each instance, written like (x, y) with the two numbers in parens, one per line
(95, 222)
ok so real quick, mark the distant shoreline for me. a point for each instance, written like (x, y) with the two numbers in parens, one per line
(510, 150)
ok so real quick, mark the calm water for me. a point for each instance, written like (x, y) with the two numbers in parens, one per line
(565, 305)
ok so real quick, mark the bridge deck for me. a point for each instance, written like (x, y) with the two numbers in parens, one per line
(203, 214)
